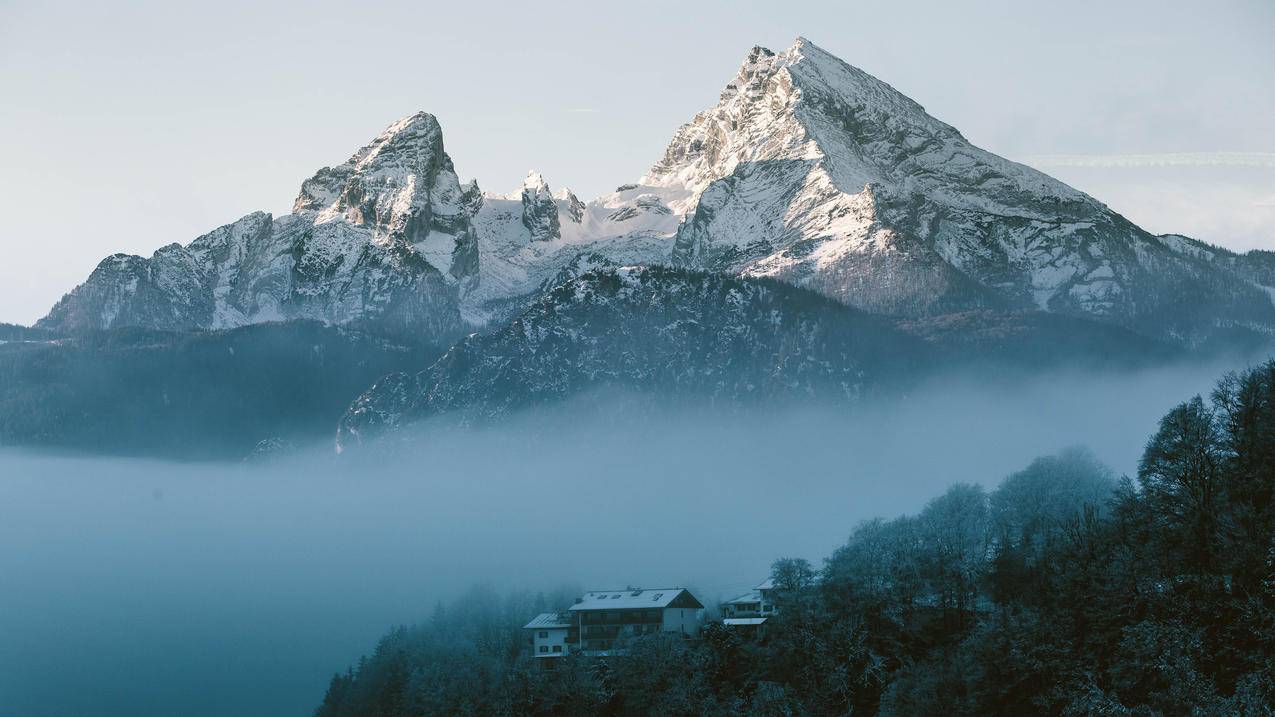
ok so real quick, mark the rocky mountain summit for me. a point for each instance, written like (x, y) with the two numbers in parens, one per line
(811, 171)
(808, 170)
(383, 239)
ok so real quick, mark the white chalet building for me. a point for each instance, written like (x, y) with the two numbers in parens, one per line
(552, 634)
(601, 620)
(749, 611)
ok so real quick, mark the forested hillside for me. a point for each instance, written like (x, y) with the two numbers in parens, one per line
(1063, 591)
(13, 332)
(209, 394)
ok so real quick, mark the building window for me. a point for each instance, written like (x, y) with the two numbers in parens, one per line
(544, 633)
(557, 648)
(544, 648)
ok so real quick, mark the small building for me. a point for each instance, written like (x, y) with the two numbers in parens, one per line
(758, 602)
(605, 618)
(552, 634)
(749, 612)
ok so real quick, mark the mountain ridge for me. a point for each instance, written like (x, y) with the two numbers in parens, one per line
(684, 335)
(807, 170)
(662, 330)
(382, 238)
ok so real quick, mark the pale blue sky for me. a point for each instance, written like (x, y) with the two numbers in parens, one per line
(133, 125)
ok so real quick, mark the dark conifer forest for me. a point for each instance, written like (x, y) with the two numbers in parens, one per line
(201, 395)
(1065, 591)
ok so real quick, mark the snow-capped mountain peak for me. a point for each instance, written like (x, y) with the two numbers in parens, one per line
(805, 104)
(539, 209)
(535, 182)
(383, 238)
(813, 171)
(807, 170)
(401, 186)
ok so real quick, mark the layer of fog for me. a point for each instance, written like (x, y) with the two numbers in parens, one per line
(148, 588)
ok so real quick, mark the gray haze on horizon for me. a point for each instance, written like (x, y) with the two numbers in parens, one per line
(128, 127)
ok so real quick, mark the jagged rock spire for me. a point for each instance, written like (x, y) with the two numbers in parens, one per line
(539, 210)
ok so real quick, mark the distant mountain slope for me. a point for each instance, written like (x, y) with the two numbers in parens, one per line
(680, 334)
(190, 395)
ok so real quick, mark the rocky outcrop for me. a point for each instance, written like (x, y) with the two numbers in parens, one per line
(570, 206)
(539, 209)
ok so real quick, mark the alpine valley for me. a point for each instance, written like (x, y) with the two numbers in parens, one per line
(815, 234)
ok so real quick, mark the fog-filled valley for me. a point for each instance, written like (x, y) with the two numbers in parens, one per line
(147, 587)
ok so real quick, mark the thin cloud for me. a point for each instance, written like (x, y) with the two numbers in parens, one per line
(1172, 159)
(585, 110)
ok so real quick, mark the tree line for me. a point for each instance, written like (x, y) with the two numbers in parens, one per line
(1063, 591)
(194, 395)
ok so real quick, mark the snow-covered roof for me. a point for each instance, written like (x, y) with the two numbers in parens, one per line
(547, 620)
(632, 599)
(737, 621)
(753, 595)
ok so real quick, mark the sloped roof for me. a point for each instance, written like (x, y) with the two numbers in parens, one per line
(632, 599)
(753, 595)
(546, 620)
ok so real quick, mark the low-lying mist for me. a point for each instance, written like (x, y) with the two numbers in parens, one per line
(150, 588)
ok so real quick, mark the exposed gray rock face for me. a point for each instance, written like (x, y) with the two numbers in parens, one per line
(236, 270)
(539, 210)
(570, 206)
(385, 238)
